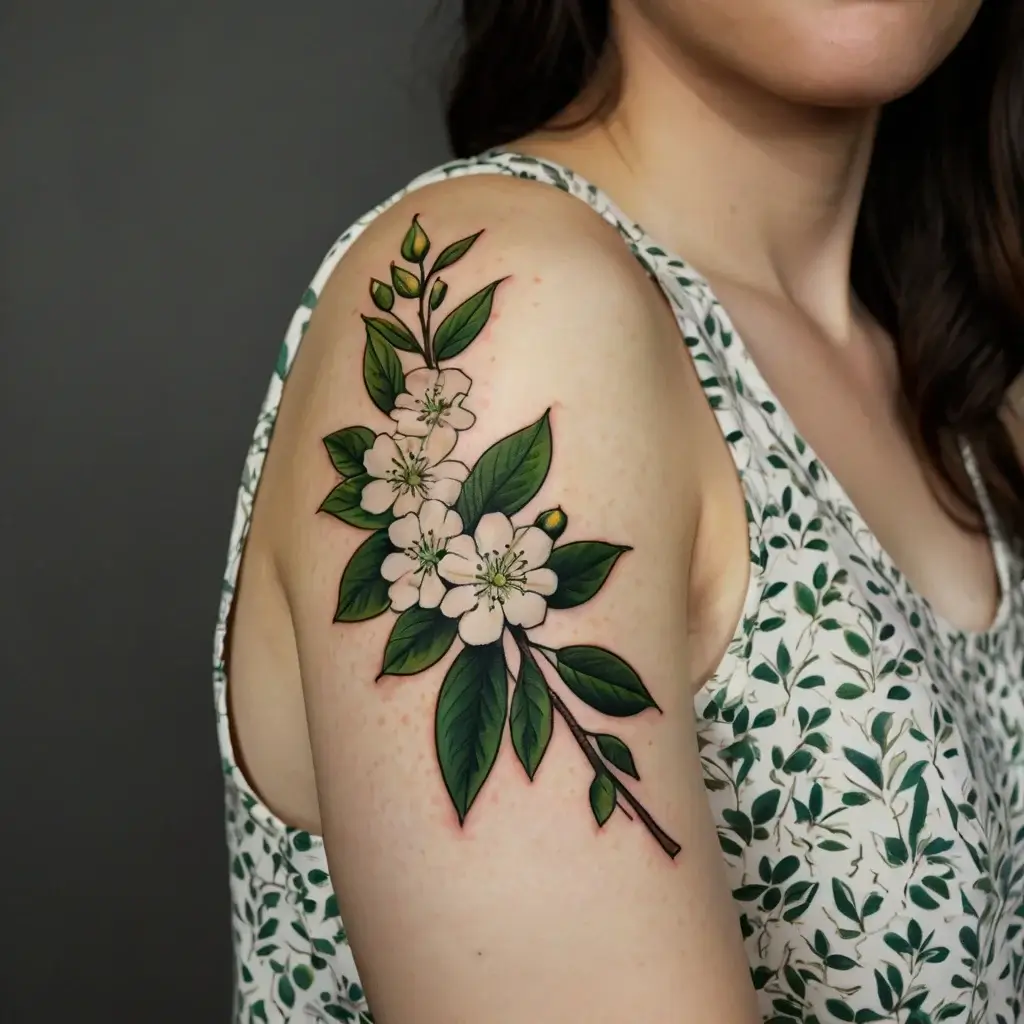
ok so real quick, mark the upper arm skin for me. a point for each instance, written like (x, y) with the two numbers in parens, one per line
(528, 911)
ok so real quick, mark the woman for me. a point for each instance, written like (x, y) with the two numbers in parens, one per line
(632, 618)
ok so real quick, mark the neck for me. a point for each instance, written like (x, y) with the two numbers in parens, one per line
(749, 188)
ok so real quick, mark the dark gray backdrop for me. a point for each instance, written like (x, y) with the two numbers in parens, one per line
(170, 175)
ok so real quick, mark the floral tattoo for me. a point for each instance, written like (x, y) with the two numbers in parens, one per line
(445, 553)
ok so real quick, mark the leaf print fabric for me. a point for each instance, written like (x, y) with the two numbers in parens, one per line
(863, 760)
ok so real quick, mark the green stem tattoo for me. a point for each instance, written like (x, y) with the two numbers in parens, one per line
(424, 317)
(582, 737)
(405, 327)
(442, 552)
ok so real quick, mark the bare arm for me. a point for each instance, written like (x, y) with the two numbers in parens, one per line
(499, 711)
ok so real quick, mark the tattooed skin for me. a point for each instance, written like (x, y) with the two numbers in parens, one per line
(445, 553)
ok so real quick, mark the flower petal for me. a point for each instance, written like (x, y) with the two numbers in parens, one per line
(453, 383)
(404, 593)
(431, 516)
(437, 444)
(408, 448)
(459, 418)
(463, 545)
(493, 532)
(442, 437)
(397, 564)
(380, 459)
(378, 496)
(450, 470)
(452, 525)
(405, 532)
(482, 624)
(542, 581)
(446, 491)
(459, 601)
(419, 382)
(533, 546)
(432, 590)
(460, 563)
(406, 401)
(408, 422)
(408, 501)
(526, 610)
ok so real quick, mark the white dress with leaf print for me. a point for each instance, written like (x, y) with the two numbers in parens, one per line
(864, 761)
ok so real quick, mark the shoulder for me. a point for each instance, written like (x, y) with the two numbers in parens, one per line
(512, 305)
(519, 285)
(537, 284)
(550, 247)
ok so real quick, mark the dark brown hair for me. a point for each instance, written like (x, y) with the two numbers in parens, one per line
(939, 252)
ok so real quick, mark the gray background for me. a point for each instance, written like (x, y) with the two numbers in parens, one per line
(170, 176)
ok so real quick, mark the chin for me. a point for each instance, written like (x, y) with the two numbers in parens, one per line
(858, 53)
(850, 86)
(827, 53)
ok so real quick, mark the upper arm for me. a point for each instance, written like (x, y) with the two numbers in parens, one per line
(509, 783)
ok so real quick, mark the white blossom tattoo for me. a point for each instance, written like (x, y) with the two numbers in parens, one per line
(445, 553)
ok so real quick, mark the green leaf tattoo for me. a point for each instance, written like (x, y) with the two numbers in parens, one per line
(603, 681)
(616, 753)
(508, 474)
(445, 556)
(531, 717)
(382, 372)
(582, 569)
(363, 592)
(421, 637)
(343, 504)
(395, 334)
(469, 722)
(464, 323)
(347, 447)
(602, 798)
(454, 252)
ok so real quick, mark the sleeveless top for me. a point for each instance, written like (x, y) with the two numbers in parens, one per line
(864, 760)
